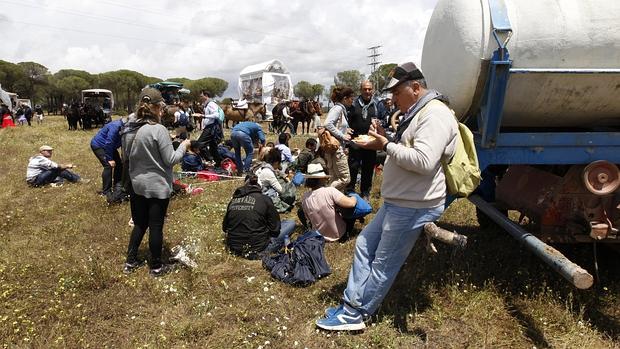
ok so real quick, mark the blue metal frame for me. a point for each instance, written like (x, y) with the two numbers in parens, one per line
(496, 148)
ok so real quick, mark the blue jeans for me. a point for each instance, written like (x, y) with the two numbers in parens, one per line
(55, 175)
(286, 228)
(242, 139)
(381, 249)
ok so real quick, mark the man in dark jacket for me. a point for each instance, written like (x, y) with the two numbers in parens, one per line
(360, 114)
(105, 146)
(28, 114)
(252, 224)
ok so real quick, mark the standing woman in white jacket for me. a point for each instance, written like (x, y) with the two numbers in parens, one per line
(337, 124)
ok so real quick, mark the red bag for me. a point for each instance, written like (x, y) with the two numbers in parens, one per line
(229, 166)
(208, 176)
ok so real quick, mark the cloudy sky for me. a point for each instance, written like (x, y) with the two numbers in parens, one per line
(194, 38)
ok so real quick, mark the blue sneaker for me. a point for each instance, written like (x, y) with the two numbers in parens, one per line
(332, 310)
(343, 319)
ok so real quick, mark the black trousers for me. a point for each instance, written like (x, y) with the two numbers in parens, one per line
(147, 213)
(361, 160)
(110, 175)
(210, 138)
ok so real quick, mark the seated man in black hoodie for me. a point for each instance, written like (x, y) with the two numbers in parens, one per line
(252, 224)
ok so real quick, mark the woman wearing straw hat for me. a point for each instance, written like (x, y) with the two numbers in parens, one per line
(320, 205)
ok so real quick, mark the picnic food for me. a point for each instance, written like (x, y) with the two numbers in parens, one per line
(363, 138)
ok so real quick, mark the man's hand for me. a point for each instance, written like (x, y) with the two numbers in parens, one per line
(376, 144)
(112, 163)
(376, 127)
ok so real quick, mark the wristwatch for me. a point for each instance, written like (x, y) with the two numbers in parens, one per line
(385, 146)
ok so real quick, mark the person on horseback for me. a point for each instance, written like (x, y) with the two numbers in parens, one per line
(281, 117)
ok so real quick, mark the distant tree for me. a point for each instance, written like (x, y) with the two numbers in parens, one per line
(72, 86)
(184, 81)
(317, 91)
(86, 76)
(10, 75)
(303, 89)
(328, 95)
(37, 75)
(380, 77)
(214, 85)
(350, 78)
(125, 85)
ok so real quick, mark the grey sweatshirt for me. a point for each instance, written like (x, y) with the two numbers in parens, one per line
(151, 159)
(412, 175)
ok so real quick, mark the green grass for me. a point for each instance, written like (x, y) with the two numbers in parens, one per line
(61, 283)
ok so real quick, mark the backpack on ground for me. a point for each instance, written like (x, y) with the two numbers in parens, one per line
(462, 171)
(302, 262)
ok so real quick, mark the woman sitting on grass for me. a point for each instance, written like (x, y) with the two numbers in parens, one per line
(321, 206)
(277, 188)
(192, 162)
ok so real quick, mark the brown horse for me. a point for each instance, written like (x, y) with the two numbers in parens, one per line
(254, 112)
(318, 112)
(305, 114)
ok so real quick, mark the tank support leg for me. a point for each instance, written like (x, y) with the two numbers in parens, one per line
(556, 260)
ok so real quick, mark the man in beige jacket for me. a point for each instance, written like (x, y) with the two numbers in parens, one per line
(413, 190)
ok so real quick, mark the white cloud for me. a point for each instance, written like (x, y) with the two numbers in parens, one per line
(194, 39)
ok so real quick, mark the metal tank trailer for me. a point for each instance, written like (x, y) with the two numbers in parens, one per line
(539, 84)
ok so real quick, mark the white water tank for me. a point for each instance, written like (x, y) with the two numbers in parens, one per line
(547, 34)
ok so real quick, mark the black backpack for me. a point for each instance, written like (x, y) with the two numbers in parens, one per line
(183, 118)
(302, 262)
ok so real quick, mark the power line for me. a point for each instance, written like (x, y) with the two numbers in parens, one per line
(135, 24)
(374, 62)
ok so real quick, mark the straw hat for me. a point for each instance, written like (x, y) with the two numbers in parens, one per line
(45, 147)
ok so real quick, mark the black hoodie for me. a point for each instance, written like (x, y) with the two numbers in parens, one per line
(250, 221)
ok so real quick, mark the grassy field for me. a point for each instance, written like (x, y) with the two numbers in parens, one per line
(62, 286)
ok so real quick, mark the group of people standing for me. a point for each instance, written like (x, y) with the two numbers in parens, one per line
(23, 114)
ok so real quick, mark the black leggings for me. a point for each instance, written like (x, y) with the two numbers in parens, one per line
(147, 213)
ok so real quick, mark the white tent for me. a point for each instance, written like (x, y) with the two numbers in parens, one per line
(267, 82)
(5, 98)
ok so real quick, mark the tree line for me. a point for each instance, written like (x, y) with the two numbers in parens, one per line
(34, 81)
(351, 78)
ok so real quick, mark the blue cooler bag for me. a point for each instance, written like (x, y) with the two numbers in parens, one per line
(361, 209)
(298, 179)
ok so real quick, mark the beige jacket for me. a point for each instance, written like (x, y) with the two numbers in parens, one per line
(412, 175)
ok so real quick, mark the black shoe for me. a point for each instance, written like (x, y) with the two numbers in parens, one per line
(161, 271)
(131, 267)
